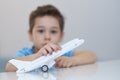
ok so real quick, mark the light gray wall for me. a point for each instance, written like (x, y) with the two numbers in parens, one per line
(97, 21)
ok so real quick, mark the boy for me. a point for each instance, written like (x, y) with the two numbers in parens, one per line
(46, 31)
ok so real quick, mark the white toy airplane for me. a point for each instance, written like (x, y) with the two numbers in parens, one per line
(45, 62)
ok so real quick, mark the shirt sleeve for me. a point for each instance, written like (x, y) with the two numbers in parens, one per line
(69, 54)
(19, 54)
(23, 52)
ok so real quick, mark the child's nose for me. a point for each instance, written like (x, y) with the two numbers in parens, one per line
(47, 36)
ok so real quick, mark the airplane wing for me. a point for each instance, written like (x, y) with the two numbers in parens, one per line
(19, 64)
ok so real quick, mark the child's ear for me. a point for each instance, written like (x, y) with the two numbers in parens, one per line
(30, 36)
(61, 37)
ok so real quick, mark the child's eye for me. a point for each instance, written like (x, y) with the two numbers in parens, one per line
(53, 31)
(41, 31)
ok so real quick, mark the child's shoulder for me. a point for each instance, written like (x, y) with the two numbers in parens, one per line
(27, 49)
(24, 52)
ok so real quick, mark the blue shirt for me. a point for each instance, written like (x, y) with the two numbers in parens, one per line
(29, 51)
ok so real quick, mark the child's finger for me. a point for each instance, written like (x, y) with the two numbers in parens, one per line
(69, 65)
(58, 59)
(44, 52)
(48, 49)
(55, 47)
(56, 65)
(60, 63)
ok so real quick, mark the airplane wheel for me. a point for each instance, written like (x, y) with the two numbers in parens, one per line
(44, 68)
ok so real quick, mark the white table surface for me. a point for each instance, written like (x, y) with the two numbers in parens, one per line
(107, 70)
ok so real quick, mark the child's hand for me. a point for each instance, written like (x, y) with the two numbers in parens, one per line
(48, 49)
(64, 62)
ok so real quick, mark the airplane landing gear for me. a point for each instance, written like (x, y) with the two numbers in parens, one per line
(44, 68)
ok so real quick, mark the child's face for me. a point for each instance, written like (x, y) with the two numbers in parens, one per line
(45, 29)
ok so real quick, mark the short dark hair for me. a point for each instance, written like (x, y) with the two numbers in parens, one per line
(44, 10)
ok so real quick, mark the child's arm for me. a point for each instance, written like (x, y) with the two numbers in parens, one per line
(47, 49)
(84, 57)
(79, 58)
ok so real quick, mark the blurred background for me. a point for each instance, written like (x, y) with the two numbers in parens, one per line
(96, 21)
